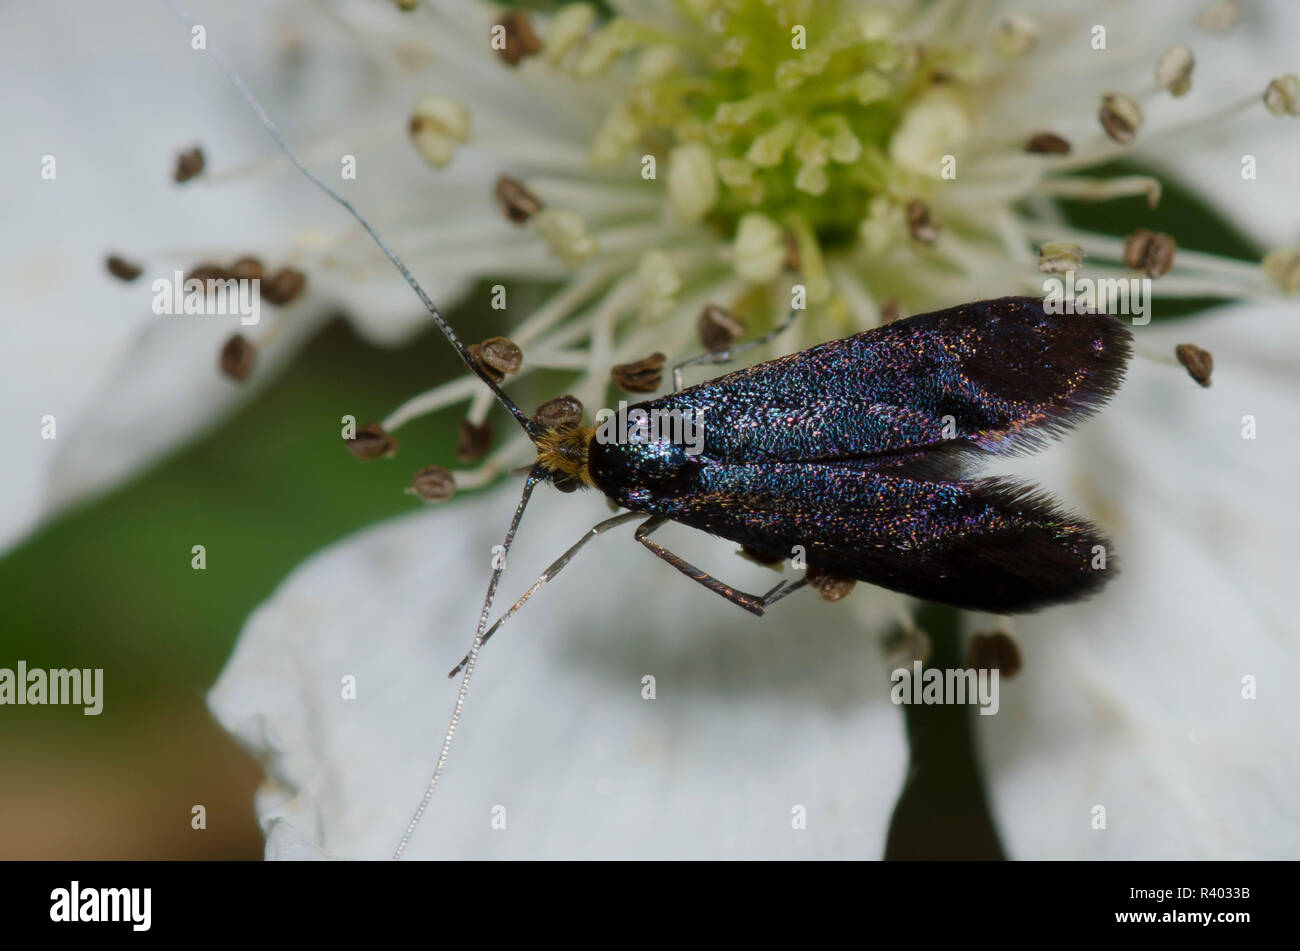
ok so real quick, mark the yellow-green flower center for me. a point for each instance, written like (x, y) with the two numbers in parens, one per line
(784, 108)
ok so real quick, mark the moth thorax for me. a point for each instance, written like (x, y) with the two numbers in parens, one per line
(563, 451)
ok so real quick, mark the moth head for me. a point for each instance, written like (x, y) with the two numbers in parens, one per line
(562, 455)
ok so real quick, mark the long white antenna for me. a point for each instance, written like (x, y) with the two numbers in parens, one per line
(471, 661)
(529, 426)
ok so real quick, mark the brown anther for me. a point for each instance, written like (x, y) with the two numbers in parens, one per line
(1199, 363)
(236, 358)
(911, 645)
(920, 224)
(516, 201)
(643, 376)
(433, 484)
(121, 268)
(476, 352)
(246, 269)
(829, 587)
(282, 286)
(500, 355)
(371, 442)
(1174, 70)
(207, 272)
(792, 258)
(1120, 116)
(1282, 97)
(1047, 143)
(760, 557)
(188, 164)
(1136, 247)
(889, 311)
(996, 651)
(475, 441)
(555, 413)
(719, 328)
(1150, 251)
(521, 41)
(1160, 259)
(1219, 15)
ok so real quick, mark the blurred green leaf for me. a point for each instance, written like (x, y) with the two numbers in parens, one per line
(943, 811)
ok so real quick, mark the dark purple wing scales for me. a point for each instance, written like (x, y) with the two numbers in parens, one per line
(842, 450)
(988, 545)
(1007, 373)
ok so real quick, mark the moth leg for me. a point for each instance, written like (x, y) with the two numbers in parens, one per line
(751, 603)
(781, 590)
(729, 353)
(554, 569)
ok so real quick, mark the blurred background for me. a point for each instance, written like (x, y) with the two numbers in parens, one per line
(109, 584)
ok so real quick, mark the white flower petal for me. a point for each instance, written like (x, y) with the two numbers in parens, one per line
(79, 344)
(1260, 47)
(752, 718)
(1133, 701)
(125, 385)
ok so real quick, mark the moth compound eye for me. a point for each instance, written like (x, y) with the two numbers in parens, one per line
(565, 484)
